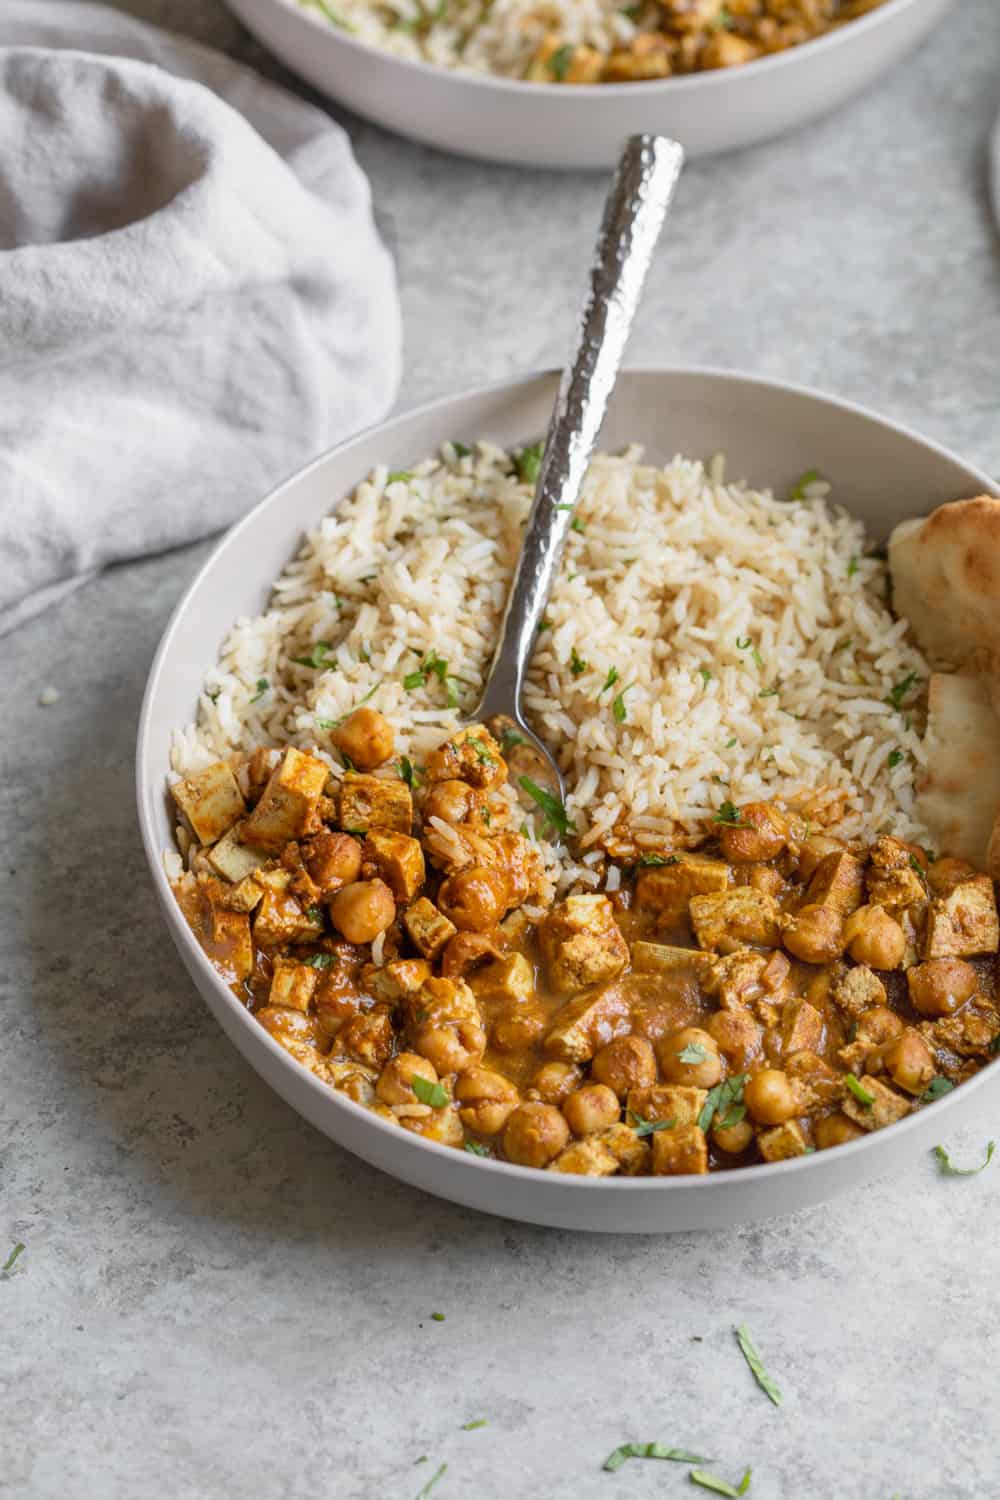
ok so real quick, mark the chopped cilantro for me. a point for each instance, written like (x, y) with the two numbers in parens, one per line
(559, 63)
(852, 567)
(429, 1093)
(744, 643)
(553, 807)
(719, 1486)
(615, 1460)
(471, 1426)
(333, 16)
(936, 1089)
(432, 1482)
(262, 687)
(729, 814)
(618, 707)
(705, 674)
(438, 1317)
(317, 658)
(771, 692)
(694, 1052)
(649, 1127)
(726, 1097)
(752, 1356)
(475, 1149)
(731, 742)
(314, 913)
(460, 450)
(895, 758)
(213, 694)
(481, 752)
(804, 480)
(657, 859)
(399, 476)
(432, 665)
(950, 1170)
(407, 771)
(577, 665)
(577, 525)
(901, 689)
(859, 1091)
(528, 462)
(319, 961)
(8, 1264)
(511, 737)
(543, 626)
(610, 680)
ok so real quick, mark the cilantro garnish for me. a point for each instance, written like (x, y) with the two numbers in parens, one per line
(262, 687)
(895, 757)
(936, 1089)
(728, 1097)
(460, 450)
(511, 737)
(577, 525)
(433, 665)
(432, 1482)
(752, 1356)
(559, 63)
(437, 1317)
(471, 1426)
(852, 567)
(475, 1149)
(901, 689)
(319, 961)
(8, 1264)
(577, 665)
(801, 484)
(428, 1092)
(705, 674)
(615, 1460)
(317, 658)
(618, 708)
(657, 859)
(728, 813)
(694, 1052)
(407, 771)
(719, 1486)
(610, 680)
(528, 462)
(950, 1170)
(553, 807)
(642, 1128)
(859, 1091)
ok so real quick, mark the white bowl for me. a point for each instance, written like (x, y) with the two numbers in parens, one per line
(771, 434)
(586, 125)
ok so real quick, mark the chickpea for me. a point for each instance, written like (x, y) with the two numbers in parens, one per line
(534, 1134)
(770, 1097)
(465, 952)
(835, 1130)
(879, 1025)
(874, 938)
(733, 1138)
(366, 737)
(594, 1107)
(333, 860)
(520, 1027)
(628, 1062)
(737, 1036)
(475, 899)
(813, 851)
(909, 1062)
(939, 986)
(554, 1080)
(486, 1100)
(395, 1083)
(760, 835)
(451, 801)
(704, 1069)
(363, 909)
(453, 1047)
(815, 934)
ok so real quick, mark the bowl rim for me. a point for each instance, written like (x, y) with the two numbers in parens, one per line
(711, 78)
(298, 1076)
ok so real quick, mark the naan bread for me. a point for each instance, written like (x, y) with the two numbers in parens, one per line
(960, 794)
(946, 581)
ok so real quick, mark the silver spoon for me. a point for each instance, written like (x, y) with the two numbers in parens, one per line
(636, 207)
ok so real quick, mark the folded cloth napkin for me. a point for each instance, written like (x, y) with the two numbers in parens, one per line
(193, 300)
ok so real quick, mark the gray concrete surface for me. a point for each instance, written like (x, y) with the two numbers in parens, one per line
(214, 1301)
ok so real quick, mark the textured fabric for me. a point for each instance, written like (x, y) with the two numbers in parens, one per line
(193, 301)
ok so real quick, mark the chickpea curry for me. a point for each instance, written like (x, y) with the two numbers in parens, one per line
(771, 991)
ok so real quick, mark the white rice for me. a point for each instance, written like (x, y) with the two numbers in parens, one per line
(749, 640)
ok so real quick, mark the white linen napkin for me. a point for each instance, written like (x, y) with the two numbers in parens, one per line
(193, 301)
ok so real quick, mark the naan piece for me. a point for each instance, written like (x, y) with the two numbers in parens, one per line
(946, 581)
(959, 797)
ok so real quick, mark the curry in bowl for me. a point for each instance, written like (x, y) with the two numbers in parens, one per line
(774, 963)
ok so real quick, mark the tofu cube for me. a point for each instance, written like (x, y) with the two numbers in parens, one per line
(403, 976)
(964, 922)
(368, 802)
(582, 943)
(667, 1101)
(892, 880)
(733, 919)
(629, 1150)
(858, 990)
(586, 1158)
(680, 1152)
(287, 808)
(838, 881)
(399, 860)
(472, 755)
(887, 1108)
(211, 801)
(234, 860)
(588, 1023)
(280, 917)
(670, 887)
(246, 896)
(802, 1028)
(367, 1037)
(661, 958)
(782, 1142)
(292, 984)
(740, 978)
(511, 977)
(429, 930)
